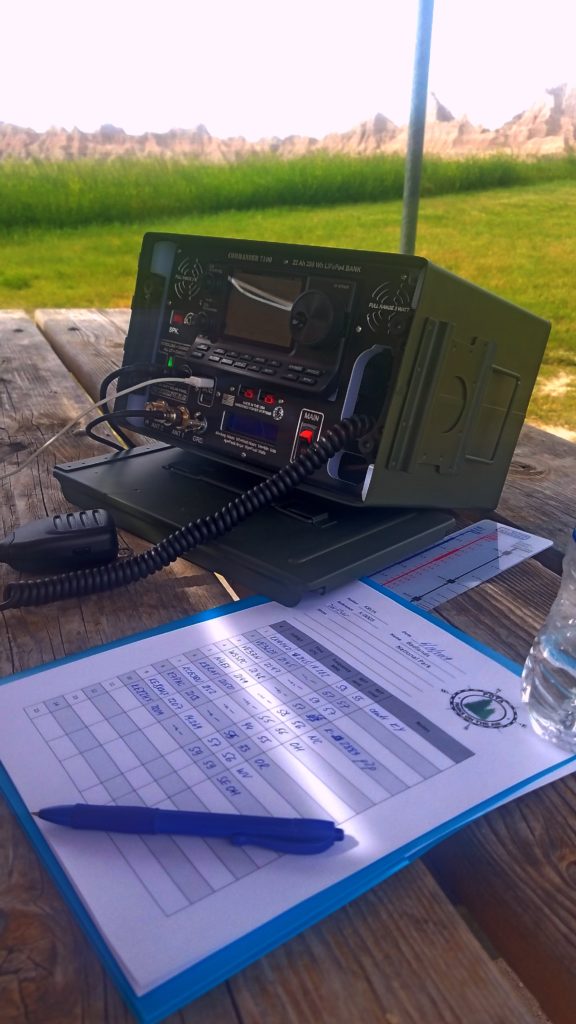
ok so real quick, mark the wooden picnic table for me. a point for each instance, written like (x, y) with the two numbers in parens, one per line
(481, 930)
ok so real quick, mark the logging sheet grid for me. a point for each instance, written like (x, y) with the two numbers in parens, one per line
(270, 721)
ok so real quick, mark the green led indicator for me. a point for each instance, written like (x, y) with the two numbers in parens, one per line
(170, 362)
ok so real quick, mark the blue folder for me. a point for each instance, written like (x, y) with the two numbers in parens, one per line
(206, 974)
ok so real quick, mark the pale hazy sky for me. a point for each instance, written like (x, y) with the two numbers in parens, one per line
(259, 68)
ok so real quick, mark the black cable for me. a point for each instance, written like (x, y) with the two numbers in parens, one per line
(115, 418)
(199, 321)
(146, 368)
(29, 593)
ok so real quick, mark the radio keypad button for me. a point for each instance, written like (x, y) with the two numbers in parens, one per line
(201, 345)
(268, 370)
(275, 363)
(226, 362)
(296, 367)
(289, 376)
(213, 359)
(254, 366)
(241, 364)
(220, 351)
(307, 380)
(197, 354)
(314, 373)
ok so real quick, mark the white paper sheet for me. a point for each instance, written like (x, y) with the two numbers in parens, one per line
(349, 707)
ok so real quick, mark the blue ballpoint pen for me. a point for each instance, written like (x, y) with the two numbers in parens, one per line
(285, 835)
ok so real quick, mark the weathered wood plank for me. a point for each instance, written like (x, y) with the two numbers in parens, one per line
(512, 869)
(347, 968)
(90, 344)
(73, 333)
(37, 397)
(399, 953)
(540, 490)
(49, 972)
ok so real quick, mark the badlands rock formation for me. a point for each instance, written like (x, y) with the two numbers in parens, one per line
(547, 127)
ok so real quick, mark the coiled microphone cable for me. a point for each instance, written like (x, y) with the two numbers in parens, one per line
(99, 579)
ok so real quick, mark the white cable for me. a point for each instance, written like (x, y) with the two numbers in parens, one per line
(250, 291)
(195, 382)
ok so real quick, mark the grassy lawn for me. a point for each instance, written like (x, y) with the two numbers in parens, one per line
(518, 242)
(63, 194)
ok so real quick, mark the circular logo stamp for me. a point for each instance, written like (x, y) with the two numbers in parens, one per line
(480, 707)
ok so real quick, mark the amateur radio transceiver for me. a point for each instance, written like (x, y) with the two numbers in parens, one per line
(295, 338)
(287, 341)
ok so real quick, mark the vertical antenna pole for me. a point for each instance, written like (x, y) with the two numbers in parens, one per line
(416, 127)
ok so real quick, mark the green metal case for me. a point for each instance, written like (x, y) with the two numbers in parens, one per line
(469, 368)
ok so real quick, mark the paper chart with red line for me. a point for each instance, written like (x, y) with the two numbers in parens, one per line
(459, 562)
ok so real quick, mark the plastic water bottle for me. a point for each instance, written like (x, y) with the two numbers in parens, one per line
(549, 676)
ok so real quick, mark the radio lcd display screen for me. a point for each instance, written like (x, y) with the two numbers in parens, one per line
(259, 308)
(250, 426)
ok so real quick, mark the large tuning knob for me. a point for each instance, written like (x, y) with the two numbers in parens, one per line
(312, 318)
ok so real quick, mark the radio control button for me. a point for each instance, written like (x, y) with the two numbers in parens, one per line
(268, 397)
(197, 354)
(258, 359)
(314, 373)
(306, 435)
(202, 345)
(220, 351)
(241, 364)
(296, 367)
(312, 319)
(213, 359)
(254, 366)
(275, 363)
(307, 380)
(289, 376)
(226, 362)
(268, 370)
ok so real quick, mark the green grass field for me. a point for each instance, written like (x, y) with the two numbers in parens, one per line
(69, 194)
(519, 242)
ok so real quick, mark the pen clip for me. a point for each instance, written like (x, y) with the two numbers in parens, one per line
(283, 845)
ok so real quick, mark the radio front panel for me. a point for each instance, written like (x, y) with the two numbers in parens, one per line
(290, 345)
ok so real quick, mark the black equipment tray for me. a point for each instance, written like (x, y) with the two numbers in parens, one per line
(304, 545)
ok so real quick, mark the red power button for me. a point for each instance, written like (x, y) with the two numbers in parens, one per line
(306, 435)
(307, 432)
